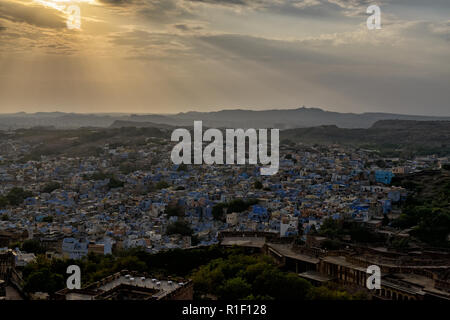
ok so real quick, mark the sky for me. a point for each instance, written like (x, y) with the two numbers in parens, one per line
(170, 56)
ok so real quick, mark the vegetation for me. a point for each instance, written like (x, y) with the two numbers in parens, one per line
(427, 208)
(227, 273)
(32, 246)
(179, 227)
(98, 175)
(247, 277)
(336, 229)
(375, 137)
(128, 167)
(115, 183)
(258, 185)
(162, 185)
(45, 275)
(237, 205)
(50, 187)
(48, 219)
(14, 197)
(182, 167)
(175, 211)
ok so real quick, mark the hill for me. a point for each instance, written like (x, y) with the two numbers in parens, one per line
(277, 118)
(391, 137)
(427, 209)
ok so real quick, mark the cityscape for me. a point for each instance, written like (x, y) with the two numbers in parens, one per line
(112, 201)
(224, 158)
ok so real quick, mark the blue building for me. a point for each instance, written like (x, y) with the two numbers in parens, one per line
(383, 176)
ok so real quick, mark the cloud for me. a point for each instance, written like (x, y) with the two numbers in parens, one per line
(226, 2)
(145, 45)
(33, 15)
(182, 27)
(117, 2)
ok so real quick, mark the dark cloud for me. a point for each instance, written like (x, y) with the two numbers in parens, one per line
(118, 2)
(224, 2)
(164, 11)
(186, 27)
(182, 27)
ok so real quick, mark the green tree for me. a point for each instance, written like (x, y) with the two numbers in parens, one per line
(179, 227)
(162, 185)
(44, 281)
(48, 219)
(175, 210)
(234, 289)
(50, 187)
(330, 228)
(16, 196)
(324, 293)
(218, 211)
(32, 246)
(115, 183)
(3, 202)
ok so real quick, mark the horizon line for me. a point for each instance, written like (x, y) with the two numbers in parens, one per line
(216, 111)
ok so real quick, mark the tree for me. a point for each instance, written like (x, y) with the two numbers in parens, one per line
(381, 163)
(48, 219)
(44, 281)
(385, 220)
(218, 211)
(175, 210)
(32, 246)
(115, 183)
(127, 167)
(241, 276)
(330, 244)
(330, 228)
(234, 289)
(182, 167)
(258, 185)
(3, 202)
(16, 196)
(162, 185)
(50, 187)
(324, 293)
(179, 227)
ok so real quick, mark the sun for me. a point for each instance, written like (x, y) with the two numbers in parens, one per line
(69, 8)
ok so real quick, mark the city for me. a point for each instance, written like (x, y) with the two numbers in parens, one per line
(221, 159)
(329, 213)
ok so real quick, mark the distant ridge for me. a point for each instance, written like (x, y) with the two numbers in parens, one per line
(282, 119)
(138, 124)
(390, 136)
